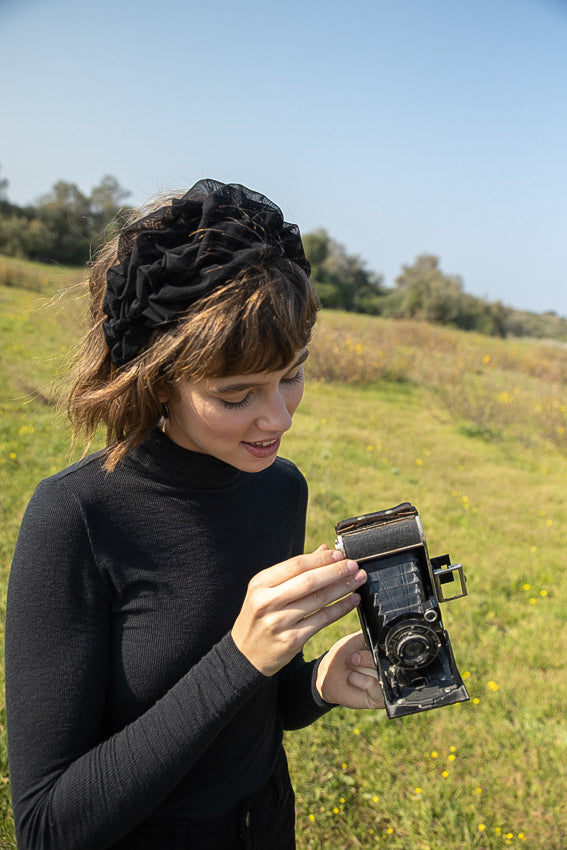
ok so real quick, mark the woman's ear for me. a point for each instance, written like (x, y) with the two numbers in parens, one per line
(163, 390)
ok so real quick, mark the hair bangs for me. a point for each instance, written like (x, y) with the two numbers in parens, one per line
(256, 323)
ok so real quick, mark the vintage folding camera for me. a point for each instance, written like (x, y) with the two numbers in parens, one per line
(399, 609)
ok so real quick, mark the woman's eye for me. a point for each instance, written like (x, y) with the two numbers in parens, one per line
(297, 376)
(234, 405)
(292, 378)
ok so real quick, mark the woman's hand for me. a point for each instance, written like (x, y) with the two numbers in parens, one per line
(287, 604)
(347, 675)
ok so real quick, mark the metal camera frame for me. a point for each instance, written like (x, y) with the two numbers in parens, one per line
(382, 537)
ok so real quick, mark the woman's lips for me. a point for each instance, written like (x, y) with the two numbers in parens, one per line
(263, 448)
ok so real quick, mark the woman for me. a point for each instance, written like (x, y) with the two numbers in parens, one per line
(159, 599)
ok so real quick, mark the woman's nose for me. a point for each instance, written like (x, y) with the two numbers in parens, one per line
(275, 417)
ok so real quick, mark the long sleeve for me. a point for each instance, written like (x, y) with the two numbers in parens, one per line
(71, 790)
(126, 696)
(298, 700)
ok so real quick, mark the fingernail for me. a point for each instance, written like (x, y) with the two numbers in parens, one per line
(337, 556)
(352, 566)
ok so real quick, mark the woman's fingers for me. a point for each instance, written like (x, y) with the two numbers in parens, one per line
(363, 681)
(302, 586)
(288, 603)
(310, 624)
(347, 675)
(363, 673)
(315, 580)
(306, 598)
(361, 660)
(300, 567)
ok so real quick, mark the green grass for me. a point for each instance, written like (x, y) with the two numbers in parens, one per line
(472, 431)
(499, 508)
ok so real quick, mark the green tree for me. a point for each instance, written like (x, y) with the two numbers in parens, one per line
(79, 222)
(425, 292)
(342, 280)
(107, 198)
(428, 293)
(106, 209)
(3, 188)
(24, 237)
(65, 211)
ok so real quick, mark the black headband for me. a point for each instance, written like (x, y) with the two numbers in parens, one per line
(175, 255)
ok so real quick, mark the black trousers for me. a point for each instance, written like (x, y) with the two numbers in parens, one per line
(264, 821)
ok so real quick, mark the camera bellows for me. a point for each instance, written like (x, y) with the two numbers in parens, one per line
(398, 590)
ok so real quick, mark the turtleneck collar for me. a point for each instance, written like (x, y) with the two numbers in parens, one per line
(171, 462)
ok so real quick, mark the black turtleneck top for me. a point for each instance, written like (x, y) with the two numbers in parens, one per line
(126, 696)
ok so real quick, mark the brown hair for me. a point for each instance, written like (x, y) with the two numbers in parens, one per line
(253, 323)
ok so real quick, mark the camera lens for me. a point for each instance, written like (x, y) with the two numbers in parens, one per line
(412, 650)
(412, 645)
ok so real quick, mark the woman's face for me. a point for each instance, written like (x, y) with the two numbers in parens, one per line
(239, 419)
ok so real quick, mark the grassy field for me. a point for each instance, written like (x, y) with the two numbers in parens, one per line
(471, 430)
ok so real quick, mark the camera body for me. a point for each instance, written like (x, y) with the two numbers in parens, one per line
(399, 608)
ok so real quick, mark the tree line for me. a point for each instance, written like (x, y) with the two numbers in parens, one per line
(66, 226)
(421, 291)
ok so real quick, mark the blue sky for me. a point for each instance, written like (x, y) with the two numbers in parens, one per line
(401, 126)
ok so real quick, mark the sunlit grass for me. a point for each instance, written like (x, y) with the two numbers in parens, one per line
(467, 428)
(491, 387)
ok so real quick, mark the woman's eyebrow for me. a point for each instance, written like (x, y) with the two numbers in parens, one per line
(239, 386)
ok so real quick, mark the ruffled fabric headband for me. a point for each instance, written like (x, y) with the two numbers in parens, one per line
(175, 255)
